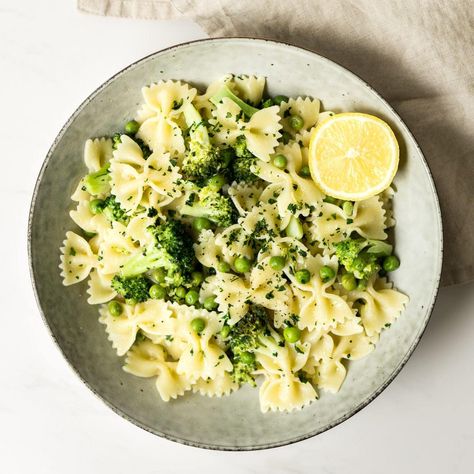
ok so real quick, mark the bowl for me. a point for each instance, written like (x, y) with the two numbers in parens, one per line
(234, 422)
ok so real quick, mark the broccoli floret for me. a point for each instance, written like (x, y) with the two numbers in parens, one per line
(212, 205)
(172, 251)
(112, 210)
(203, 159)
(132, 288)
(247, 109)
(351, 255)
(244, 338)
(243, 162)
(98, 182)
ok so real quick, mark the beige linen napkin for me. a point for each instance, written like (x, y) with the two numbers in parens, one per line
(417, 54)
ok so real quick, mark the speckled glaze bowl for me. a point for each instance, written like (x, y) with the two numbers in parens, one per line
(235, 422)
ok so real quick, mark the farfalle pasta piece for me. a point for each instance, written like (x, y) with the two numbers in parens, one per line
(77, 259)
(137, 229)
(244, 196)
(233, 242)
(97, 153)
(132, 176)
(382, 305)
(86, 220)
(307, 109)
(282, 389)
(202, 102)
(226, 122)
(217, 387)
(100, 287)
(249, 88)
(146, 359)
(207, 252)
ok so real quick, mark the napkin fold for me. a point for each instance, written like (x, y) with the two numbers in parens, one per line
(418, 55)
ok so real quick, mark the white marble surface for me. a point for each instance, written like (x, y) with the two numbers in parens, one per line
(51, 58)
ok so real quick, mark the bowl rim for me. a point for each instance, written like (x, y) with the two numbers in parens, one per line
(199, 444)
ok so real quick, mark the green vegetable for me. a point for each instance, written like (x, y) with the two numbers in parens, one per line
(277, 262)
(294, 228)
(247, 358)
(247, 109)
(303, 276)
(216, 182)
(115, 308)
(210, 303)
(379, 248)
(202, 223)
(331, 200)
(296, 122)
(192, 297)
(223, 267)
(132, 127)
(280, 161)
(213, 206)
(157, 292)
(349, 282)
(326, 273)
(390, 263)
(98, 182)
(243, 162)
(305, 172)
(196, 278)
(266, 103)
(291, 334)
(244, 337)
(278, 99)
(158, 275)
(180, 292)
(242, 264)
(351, 255)
(113, 211)
(225, 331)
(198, 325)
(172, 251)
(132, 288)
(362, 284)
(285, 137)
(348, 208)
(96, 206)
(202, 159)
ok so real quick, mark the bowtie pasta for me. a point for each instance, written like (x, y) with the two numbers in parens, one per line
(215, 258)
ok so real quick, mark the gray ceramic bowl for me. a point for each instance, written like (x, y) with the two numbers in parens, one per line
(235, 422)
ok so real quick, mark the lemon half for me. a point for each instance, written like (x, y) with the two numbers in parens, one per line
(353, 156)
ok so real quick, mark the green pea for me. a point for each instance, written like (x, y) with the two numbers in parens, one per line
(305, 172)
(192, 297)
(157, 292)
(198, 325)
(294, 228)
(180, 292)
(96, 206)
(201, 223)
(223, 267)
(277, 262)
(278, 99)
(280, 161)
(225, 331)
(348, 208)
(216, 182)
(362, 285)
(115, 308)
(292, 334)
(296, 122)
(242, 264)
(326, 273)
(132, 127)
(303, 276)
(349, 282)
(247, 357)
(196, 278)
(158, 275)
(390, 263)
(210, 303)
